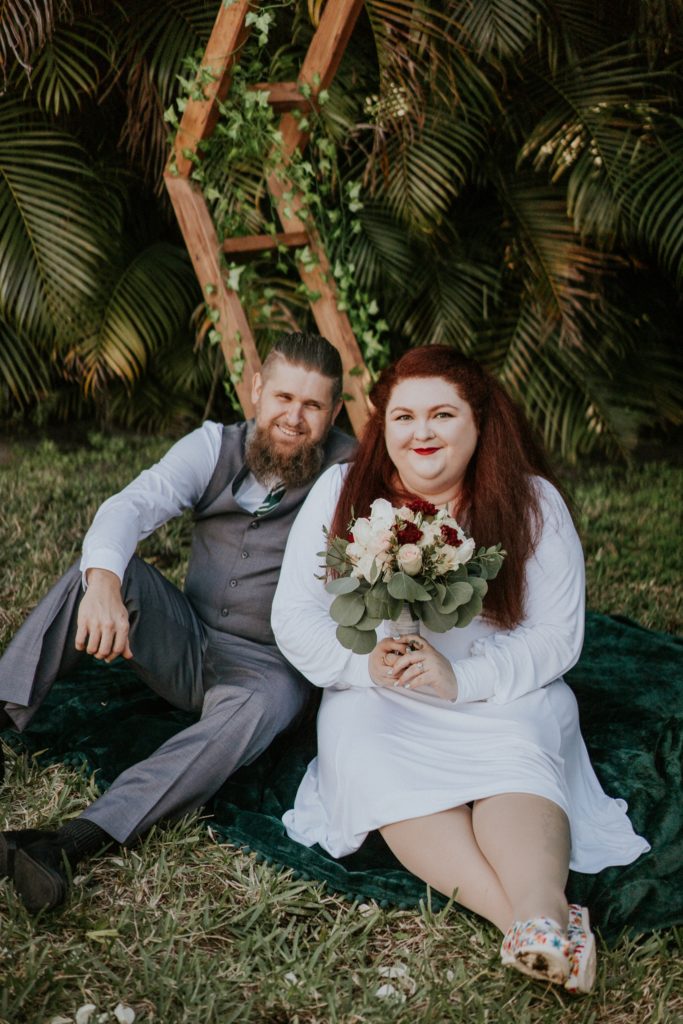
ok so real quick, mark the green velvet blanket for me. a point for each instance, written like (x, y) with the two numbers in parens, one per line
(630, 690)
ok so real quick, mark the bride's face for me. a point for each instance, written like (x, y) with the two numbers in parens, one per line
(430, 435)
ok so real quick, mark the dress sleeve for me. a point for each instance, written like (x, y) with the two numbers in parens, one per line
(506, 665)
(300, 618)
(158, 494)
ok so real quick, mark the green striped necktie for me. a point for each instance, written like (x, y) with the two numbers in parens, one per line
(272, 498)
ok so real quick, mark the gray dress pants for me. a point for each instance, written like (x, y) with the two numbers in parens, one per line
(244, 692)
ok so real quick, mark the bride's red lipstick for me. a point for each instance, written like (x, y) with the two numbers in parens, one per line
(425, 451)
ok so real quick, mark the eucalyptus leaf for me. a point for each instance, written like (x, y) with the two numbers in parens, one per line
(378, 601)
(479, 586)
(447, 598)
(491, 560)
(405, 588)
(435, 620)
(469, 611)
(368, 622)
(460, 593)
(356, 640)
(342, 585)
(347, 609)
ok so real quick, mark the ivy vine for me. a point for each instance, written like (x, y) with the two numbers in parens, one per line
(232, 167)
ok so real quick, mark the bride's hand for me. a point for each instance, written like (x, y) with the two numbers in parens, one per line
(412, 663)
(383, 659)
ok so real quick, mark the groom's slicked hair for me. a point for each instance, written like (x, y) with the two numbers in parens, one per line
(311, 351)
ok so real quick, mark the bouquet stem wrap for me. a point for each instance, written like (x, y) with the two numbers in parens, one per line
(404, 624)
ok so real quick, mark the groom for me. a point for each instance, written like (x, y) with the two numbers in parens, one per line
(208, 649)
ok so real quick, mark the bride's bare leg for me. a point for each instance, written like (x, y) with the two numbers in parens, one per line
(442, 850)
(525, 839)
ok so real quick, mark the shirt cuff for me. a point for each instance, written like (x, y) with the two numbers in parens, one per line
(476, 678)
(102, 559)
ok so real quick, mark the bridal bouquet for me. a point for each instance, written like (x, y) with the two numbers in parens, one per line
(415, 557)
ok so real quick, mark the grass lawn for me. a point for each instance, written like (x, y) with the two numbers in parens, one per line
(181, 929)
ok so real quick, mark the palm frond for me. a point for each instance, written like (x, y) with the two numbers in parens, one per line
(52, 225)
(23, 369)
(68, 67)
(425, 173)
(382, 253)
(149, 299)
(449, 307)
(154, 42)
(650, 195)
(25, 25)
(561, 272)
(499, 28)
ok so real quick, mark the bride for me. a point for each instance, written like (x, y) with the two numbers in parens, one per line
(481, 783)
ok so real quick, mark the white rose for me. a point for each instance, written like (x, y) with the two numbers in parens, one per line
(405, 513)
(353, 552)
(382, 514)
(409, 558)
(363, 569)
(373, 538)
(431, 533)
(362, 532)
(450, 557)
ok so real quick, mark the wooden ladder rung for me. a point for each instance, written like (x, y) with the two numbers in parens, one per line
(284, 96)
(261, 243)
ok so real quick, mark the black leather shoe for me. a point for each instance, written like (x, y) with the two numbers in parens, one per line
(10, 842)
(40, 875)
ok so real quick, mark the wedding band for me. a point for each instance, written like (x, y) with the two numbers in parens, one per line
(421, 666)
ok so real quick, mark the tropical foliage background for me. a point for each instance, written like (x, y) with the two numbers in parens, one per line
(521, 172)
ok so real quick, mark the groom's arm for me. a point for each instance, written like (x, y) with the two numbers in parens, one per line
(158, 494)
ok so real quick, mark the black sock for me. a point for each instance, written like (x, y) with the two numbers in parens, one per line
(81, 838)
(5, 720)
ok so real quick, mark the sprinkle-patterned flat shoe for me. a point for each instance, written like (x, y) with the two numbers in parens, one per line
(582, 958)
(539, 948)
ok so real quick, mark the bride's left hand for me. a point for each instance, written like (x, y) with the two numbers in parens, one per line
(420, 665)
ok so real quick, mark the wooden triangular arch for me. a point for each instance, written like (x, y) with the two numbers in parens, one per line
(198, 122)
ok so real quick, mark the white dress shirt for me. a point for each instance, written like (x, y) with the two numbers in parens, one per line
(158, 494)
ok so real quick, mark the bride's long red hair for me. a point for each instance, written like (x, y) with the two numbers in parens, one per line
(499, 503)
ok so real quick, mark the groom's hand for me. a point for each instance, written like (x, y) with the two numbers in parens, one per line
(102, 618)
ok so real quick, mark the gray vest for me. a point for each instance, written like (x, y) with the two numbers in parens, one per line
(235, 557)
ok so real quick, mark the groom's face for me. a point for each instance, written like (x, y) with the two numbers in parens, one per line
(294, 407)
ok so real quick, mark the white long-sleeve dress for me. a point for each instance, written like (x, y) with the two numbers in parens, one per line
(384, 755)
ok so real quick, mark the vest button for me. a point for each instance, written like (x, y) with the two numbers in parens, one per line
(224, 612)
(233, 583)
(253, 525)
(245, 554)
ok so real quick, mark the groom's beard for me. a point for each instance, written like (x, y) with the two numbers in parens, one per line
(268, 463)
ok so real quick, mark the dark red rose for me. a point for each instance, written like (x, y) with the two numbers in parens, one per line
(425, 507)
(408, 533)
(350, 537)
(450, 535)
